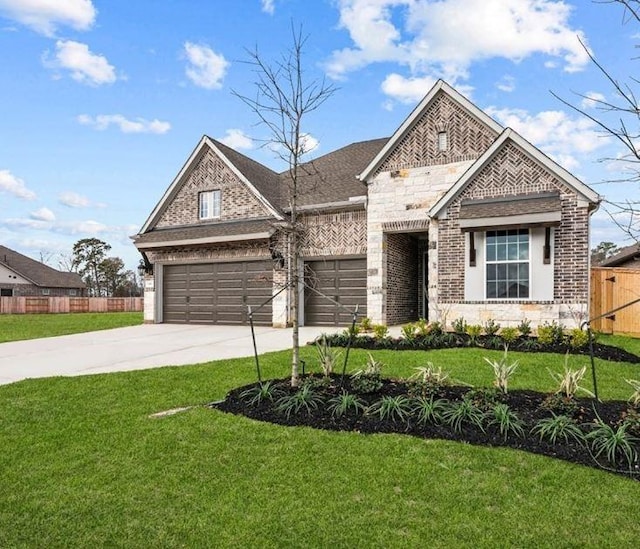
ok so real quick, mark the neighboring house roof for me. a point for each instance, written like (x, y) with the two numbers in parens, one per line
(624, 255)
(38, 273)
(206, 234)
(412, 119)
(574, 183)
(332, 178)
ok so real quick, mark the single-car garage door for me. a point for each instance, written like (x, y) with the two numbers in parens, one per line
(217, 293)
(341, 280)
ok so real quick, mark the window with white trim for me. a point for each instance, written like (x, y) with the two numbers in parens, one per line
(209, 204)
(507, 264)
(46, 291)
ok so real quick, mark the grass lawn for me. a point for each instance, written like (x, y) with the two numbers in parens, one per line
(82, 464)
(18, 327)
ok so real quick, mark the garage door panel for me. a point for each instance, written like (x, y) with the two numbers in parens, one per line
(217, 293)
(340, 280)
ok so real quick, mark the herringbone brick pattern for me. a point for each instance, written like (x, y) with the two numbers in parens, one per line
(467, 138)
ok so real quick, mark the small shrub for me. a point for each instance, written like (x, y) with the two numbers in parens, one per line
(558, 427)
(509, 335)
(429, 409)
(397, 408)
(461, 413)
(427, 380)
(305, 399)
(524, 328)
(435, 328)
(615, 443)
(257, 394)
(634, 399)
(491, 327)
(422, 327)
(380, 331)
(483, 398)
(409, 331)
(365, 324)
(530, 344)
(578, 338)
(502, 371)
(474, 331)
(327, 356)
(549, 334)
(506, 420)
(369, 379)
(559, 404)
(570, 380)
(352, 331)
(345, 403)
(632, 418)
(459, 326)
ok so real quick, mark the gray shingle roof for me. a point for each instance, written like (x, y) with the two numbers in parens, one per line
(511, 205)
(332, 177)
(38, 273)
(265, 180)
(232, 230)
(628, 253)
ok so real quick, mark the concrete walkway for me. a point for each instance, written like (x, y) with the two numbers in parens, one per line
(137, 348)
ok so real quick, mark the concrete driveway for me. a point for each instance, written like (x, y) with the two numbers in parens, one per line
(138, 347)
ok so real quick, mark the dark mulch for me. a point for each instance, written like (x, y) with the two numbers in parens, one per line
(529, 406)
(454, 340)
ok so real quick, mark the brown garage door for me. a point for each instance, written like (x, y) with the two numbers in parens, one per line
(217, 293)
(343, 281)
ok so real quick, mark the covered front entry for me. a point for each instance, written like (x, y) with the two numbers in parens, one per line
(217, 293)
(340, 281)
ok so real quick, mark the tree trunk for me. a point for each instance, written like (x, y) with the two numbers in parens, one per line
(295, 298)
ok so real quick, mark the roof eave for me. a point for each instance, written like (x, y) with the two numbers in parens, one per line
(207, 240)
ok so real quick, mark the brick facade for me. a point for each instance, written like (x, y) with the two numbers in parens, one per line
(467, 138)
(334, 234)
(30, 290)
(210, 173)
(402, 278)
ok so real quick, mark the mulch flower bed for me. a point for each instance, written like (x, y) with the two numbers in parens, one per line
(529, 406)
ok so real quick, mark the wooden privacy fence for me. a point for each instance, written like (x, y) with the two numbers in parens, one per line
(613, 287)
(39, 305)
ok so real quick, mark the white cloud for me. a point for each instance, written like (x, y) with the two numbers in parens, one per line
(441, 39)
(206, 68)
(69, 228)
(268, 6)
(407, 90)
(85, 66)
(43, 214)
(236, 139)
(506, 84)
(555, 132)
(11, 184)
(45, 16)
(308, 143)
(591, 100)
(73, 200)
(138, 125)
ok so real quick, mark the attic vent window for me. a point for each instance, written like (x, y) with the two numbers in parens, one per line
(443, 144)
(209, 205)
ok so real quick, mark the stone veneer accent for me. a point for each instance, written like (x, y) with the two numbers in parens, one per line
(402, 278)
(210, 173)
(467, 138)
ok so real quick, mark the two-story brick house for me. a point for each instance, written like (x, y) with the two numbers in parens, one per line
(451, 216)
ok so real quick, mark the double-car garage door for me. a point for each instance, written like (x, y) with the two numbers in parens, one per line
(217, 293)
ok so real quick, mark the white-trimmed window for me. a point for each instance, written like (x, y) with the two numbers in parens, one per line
(209, 204)
(73, 292)
(507, 264)
(46, 291)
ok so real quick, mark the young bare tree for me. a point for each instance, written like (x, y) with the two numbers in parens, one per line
(284, 98)
(619, 116)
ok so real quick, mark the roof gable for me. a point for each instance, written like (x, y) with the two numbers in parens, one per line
(222, 161)
(507, 163)
(470, 131)
(38, 273)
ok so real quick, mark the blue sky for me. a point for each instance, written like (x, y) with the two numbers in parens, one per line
(101, 102)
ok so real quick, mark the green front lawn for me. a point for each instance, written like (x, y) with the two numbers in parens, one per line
(19, 327)
(82, 464)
